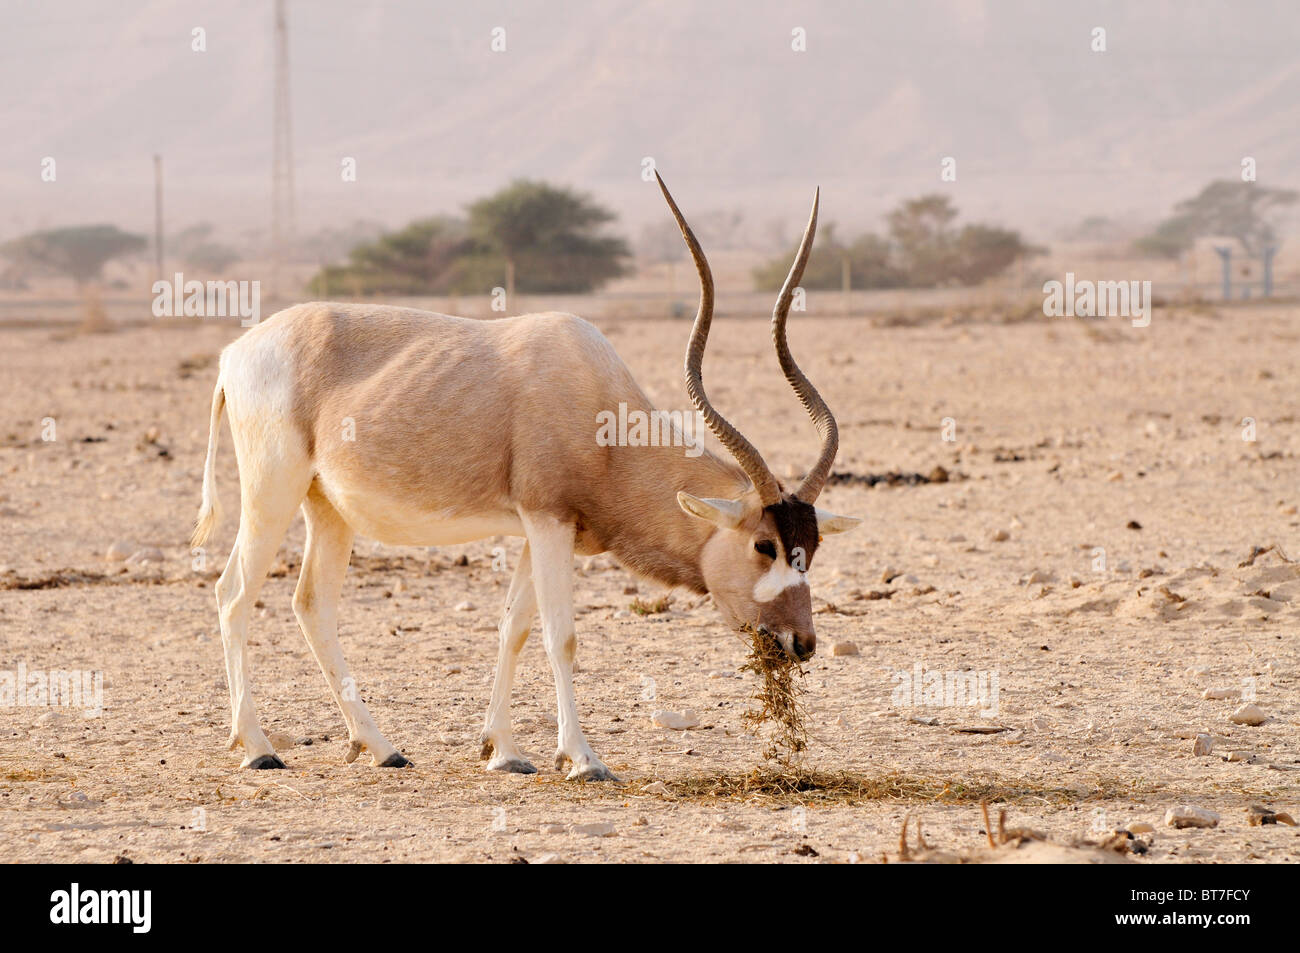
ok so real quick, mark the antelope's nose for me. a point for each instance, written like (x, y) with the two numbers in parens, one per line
(804, 645)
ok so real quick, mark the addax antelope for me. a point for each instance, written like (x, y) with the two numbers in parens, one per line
(462, 429)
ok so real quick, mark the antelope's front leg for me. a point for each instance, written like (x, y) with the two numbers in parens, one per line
(551, 542)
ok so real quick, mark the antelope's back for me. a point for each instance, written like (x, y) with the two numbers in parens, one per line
(460, 414)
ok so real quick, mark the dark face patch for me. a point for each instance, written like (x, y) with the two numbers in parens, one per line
(796, 522)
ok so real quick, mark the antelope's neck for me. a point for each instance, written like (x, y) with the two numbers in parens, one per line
(650, 534)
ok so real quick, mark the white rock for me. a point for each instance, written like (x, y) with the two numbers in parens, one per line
(553, 828)
(656, 787)
(675, 720)
(844, 648)
(281, 740)
(603, 829)
(547, 859)
(1189, 815)
(1219, 693)
(1140, 827)
(150, 554)
(464, 607)
(1248, 715)
(1204, 744)
(120, 551)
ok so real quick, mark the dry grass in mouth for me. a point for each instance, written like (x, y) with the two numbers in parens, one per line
(779, 696)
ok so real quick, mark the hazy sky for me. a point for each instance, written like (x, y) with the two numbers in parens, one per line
(1044, 130)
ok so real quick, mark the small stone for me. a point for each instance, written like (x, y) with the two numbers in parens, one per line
(604, 829)
(1248, 715)
(150, 554)
(1189, 815)
(281, 740)
(1114, 476)
(656, 787)
(464, 607)
(547, 859)
(889, 574)
(1140, 827)
(553, 828)
(675, 721)
(120, 551)
(1203, 745)
(1257, 814)
(845, 648)
(1219, 693)
(999, 536)
(938, 475)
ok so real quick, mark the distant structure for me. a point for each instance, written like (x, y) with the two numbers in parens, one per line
(1247, 272)
(158, 216)
(282, 206)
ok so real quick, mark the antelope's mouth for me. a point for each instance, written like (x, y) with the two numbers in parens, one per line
(786, 641)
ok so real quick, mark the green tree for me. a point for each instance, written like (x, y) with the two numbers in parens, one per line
(1240, 210)
(983, 251)
(79, 252)
(922, 231)
(423, 258)
(869, 260)
(932, 251)
(547, 238)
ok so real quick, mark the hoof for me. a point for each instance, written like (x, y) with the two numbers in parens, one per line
(511, 766)
(265, 762)
(395, 760)
(593, 770)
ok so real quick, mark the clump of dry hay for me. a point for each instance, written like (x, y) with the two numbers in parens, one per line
(778, 696)
(848, 788)
(654, 607)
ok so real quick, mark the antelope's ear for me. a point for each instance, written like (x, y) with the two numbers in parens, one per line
(726, 514)
(828, 524)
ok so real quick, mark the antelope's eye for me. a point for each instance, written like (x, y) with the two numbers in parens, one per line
(766, 547)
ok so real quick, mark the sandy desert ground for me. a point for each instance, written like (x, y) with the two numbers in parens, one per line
(1070, 437)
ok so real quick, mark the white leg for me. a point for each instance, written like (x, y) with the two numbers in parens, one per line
(552, 545)
(516, 620)
(315, 603)
(262, 524)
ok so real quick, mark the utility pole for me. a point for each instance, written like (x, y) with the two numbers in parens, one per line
(282, 205)
(158, 217)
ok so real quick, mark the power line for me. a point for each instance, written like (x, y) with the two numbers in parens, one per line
(282, 205)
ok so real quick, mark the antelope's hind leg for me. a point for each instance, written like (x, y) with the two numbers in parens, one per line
(316, 603)
(267, 508)
(516, 619)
